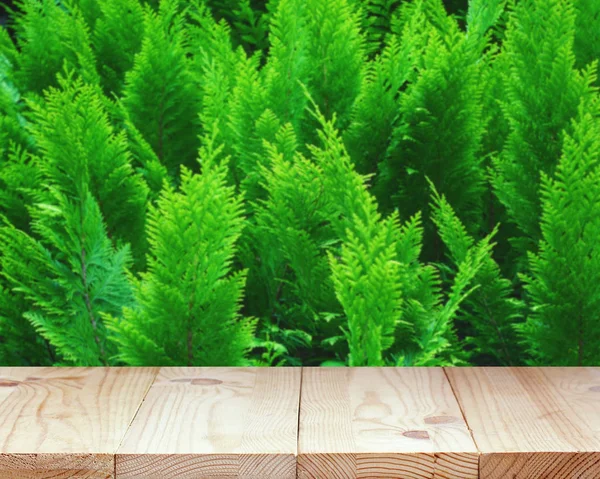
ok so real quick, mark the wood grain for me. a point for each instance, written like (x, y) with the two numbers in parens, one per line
(532, 422)
(215, 422)
(66, 422)
(382, 423)
(376, 423)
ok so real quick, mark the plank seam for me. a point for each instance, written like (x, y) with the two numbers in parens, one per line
(131, 421)
(462, 412)
(298, 422)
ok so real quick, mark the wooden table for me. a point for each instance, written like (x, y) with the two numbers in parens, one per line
(310, 423)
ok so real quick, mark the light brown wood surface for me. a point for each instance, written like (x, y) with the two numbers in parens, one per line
(217, 423)
(311, 423)
(66, 422)
(532, 423)
(382, 423)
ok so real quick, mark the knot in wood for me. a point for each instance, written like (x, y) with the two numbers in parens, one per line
(206, 382)
(440, 419)
(416, 434)
(5, 383)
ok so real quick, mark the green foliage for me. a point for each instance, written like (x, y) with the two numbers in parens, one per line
(563, 287)
(50, 36)
(117, 37)
(539, 51)
(250, 19)
(365, 271)
(160, 93)
(20, 345)
(71, 275)
(289, 61)
(187, 303)
(587, 32)
(336, 48)
(377, 18)
(490, 313)
(18, 177)
(439, 131)
(436, 339)
(299, 182)
(19, 180)
(376, 108)
(367, 284)
(78, 151)
(285, 246)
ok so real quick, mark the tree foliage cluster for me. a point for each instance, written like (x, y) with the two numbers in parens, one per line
(315, 182)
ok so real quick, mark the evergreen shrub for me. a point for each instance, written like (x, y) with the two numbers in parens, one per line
(300, 182)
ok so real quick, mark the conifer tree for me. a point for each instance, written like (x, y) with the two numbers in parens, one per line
(143, 158)
(247, 108)
(8, 50)
(249, 20)
(490, 312)
(367, 283)
(375, 111)
(20, 344)
(91, 10)
(482, 17)
(117, 37)
(12, 120)
(284, 249)
(376, 260)
(50, 35)
(563, 285)
(435, 340)
(539, 47)
(289, 62)
(215, 64)
(434, 13)
(310, 235)
(261, 100)
(587, 32)
(337, 52)
(70, 276)
(439, 134)
(187, 304)
(78, 151)
(376, 21)
(18, 177)
(231, 91)
(160, 93)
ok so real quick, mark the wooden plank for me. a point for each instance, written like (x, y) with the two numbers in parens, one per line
(217, 423)
(66, 422)
(384, 423)
(532, 422)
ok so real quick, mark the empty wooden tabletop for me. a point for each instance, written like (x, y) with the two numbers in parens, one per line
(384, 423)
(533, 422)
(66, 422)
(266, 423)
(215, 422)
